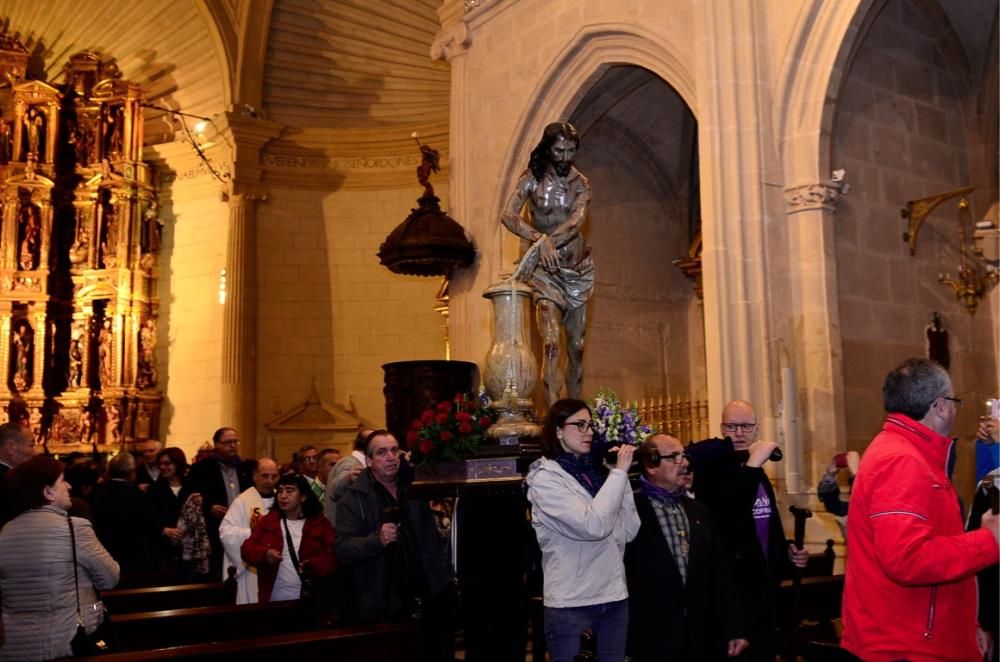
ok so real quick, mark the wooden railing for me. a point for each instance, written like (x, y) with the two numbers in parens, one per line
(686, 419)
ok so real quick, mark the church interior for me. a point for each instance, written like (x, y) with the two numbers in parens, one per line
(195, 194)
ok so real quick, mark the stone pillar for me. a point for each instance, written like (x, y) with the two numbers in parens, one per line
(815, 350)
(247, 136)
(733, 130)
(239, 386)
(451, 45)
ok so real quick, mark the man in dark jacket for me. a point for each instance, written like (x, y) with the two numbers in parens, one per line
(682, 604)
(16, 446)
(126, 524)
(729, 478)
(219, 479)
(393, 549)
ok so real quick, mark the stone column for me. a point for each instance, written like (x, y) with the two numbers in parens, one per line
(451, 45)
(815, 350)
(247, 135)
(733, 130)
(239, 386)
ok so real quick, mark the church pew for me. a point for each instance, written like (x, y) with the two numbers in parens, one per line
(399, 641)
(158, 598)
(199, 625)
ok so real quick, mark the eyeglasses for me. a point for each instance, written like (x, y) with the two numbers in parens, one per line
(958, 401)
(733, 427)
(310, 459)
(229, 442)
(676, 458)
(582, 425)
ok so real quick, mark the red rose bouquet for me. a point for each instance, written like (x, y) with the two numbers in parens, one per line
(450, 432)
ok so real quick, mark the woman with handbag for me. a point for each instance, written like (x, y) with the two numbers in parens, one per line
(51, 567)
(292, 546)
(168, 494)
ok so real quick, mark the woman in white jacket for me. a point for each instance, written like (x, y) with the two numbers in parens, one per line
(582, 519)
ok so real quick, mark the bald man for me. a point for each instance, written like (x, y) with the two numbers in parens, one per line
(729, 478)
(244, 513)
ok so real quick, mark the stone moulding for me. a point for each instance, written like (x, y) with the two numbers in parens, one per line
(806, 197)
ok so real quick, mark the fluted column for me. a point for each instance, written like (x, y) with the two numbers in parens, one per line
(239, 386)
(247, 136)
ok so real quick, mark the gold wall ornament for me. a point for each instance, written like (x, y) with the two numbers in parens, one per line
(79, 234)
(916, 211)
(975, 279)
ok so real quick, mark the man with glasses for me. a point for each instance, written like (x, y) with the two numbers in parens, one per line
(729, 478)
(219, 479)
(910, 590)
(682, 602)
(392, 549)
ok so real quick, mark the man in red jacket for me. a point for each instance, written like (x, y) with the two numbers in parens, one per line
(910, 591)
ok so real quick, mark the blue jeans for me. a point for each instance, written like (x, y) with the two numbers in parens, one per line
(609, 621)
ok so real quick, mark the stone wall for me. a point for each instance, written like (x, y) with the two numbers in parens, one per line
(327, 309)
(901, 135)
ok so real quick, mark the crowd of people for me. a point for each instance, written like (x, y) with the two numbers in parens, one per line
(663, 552)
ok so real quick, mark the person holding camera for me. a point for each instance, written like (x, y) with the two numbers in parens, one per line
(391, 546)
(582, 516)
(729, 478)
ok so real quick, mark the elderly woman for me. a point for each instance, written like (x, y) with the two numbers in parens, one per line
(582, 518)
(296, 516)
(36, 567)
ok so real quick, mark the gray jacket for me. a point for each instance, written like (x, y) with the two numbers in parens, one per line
(337, 484)
(36, 579)
(357, 546)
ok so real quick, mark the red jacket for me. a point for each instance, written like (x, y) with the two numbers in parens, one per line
(910, 590)
(316, 547)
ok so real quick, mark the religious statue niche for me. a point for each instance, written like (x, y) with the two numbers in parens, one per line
(29, 232)
(79, 234)
(112, 122)
(109, 224)
(105, 349)
(74, 367)
(22, 352)
(146, 372)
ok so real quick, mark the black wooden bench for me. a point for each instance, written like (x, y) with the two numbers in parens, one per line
(376, 642)
(158, 598)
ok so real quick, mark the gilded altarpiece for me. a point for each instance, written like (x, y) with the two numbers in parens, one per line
(79, 240)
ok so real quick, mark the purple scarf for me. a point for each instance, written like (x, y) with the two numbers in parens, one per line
(582, 468)
(656, 492)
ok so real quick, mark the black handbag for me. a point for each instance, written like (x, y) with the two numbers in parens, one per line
(84, 644)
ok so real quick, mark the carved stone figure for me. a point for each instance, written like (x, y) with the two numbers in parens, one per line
(34, 124)
(75, 372)
(22, 342)
(109, 247)
(6, 142)
(105, 355)
(557, 265)
(112, 435)
(146, 373)
(151, 228)
(113, 119)
(31, 230)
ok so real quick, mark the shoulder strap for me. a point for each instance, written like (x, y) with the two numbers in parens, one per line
(76, 579)
(290, 546)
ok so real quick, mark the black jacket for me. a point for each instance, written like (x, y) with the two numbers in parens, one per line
(724, 483)
(358, 548)
(674, 621)
(128, 528)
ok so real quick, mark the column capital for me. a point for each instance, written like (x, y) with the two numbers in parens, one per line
(245, 137)
(807, 197)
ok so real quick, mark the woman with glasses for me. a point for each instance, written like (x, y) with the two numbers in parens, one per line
(168, 495)
(582, 515)
(286, 571)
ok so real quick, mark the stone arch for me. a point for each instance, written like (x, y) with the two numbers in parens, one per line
(582, 62)
(825, 37)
